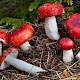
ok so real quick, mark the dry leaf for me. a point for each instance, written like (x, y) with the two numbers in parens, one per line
(64, 74)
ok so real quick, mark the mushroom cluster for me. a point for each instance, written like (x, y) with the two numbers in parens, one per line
(20, 37)
(72, 24)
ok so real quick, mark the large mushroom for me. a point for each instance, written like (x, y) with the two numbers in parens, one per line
(49, 11)
(8, 57)
(66, 45)
(3, 39)
(21, 35)
(72, 24)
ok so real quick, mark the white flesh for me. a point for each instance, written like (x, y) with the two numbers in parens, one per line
(63, 11)
(1, 40)
(24, 66)
(51, 28)
(78, 56)
(67, 56)
(0, 47)
(25, 46)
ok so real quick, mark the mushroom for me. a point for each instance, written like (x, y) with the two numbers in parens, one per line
(66, 45)
(3, 39)
(10, 51)
(21, 35)
(49, 11)
(72, 24)
(9, 58)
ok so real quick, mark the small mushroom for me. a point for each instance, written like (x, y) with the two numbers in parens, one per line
(3, 39)
(72, 24)
(8, 57)
(49, 11)
(21, 35)
(66, 45)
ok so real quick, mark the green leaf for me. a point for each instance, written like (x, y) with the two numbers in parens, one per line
(31, 7)
(11, 23)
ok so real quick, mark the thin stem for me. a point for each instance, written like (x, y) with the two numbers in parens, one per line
(68, 55)
(0, 48)
(25, 46)
(51, 28)
(24, 66)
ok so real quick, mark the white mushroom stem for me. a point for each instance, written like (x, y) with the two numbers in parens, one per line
(51, 28)
(25, 46)
(78, 56)
(63, 11)
(0, 48)
(24, 66)
(68, 55)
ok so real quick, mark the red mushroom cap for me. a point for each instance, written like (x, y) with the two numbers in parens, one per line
(5, 53)
(72, 24)
(21, 35)
(4, 37)
(50, 9)
(66, 44)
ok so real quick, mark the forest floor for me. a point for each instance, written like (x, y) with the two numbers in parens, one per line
(45, 53)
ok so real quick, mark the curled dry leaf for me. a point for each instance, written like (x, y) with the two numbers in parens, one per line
(65, 74)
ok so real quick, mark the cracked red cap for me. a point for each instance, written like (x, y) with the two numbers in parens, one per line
(4, 37)
(72, 24)
(21, 35)
(50, 9)
(66, 44)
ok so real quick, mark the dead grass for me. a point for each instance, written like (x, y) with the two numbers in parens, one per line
(45, 53)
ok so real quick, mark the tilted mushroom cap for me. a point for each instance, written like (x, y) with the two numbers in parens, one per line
(50, 9)
(66, 44)
(72, 24)
(4, 37)
(12, 51)
(21, 35)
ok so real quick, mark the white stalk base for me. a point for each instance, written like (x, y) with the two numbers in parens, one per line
(51, 28)
(0, 48)
(25, 46)
(67, 56)
(78, 56)
(24, 66)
